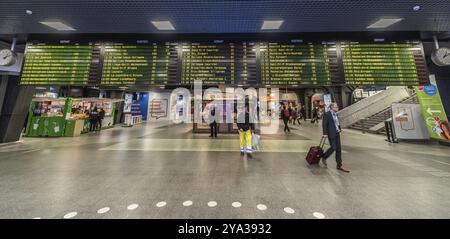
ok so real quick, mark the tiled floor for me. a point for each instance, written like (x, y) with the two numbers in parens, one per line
(150, 163)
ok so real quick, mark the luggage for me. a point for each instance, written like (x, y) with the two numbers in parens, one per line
(315, 153)
(255, 141)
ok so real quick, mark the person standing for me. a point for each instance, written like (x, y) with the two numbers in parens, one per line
(246, 128)
(93, 117)
(286, 117)
(331, 130)
(213, 124)
(101, 116)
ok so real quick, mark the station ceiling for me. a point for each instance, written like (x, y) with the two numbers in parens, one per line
(221, 16)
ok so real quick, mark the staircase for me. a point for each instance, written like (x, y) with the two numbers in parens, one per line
(375, 123)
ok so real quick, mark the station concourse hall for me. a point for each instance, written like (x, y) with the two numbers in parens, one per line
(224, 109)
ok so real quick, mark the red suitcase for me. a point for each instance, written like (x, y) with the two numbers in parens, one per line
(315, 153)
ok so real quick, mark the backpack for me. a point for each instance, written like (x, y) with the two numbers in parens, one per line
(286, 113)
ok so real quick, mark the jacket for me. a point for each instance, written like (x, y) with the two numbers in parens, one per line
(328, 125)
(247, 124)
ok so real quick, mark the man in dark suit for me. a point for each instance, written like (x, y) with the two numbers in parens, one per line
(331, 130)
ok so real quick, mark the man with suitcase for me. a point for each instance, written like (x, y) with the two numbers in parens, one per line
(331, 130)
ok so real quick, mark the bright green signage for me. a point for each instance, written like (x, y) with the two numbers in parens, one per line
(433, 111)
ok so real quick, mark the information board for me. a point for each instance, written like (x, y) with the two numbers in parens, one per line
(219, 62)
(280, 62)
(149, 64)
(298, 63)
(57, 64)
(383, 63)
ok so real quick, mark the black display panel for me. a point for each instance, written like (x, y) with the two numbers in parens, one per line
(225, 61)
(295, 63)
(219, 62)
(393, 63)
(68, 64)
(139, 64)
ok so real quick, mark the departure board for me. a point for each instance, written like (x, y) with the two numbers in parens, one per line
(298, 63)
(147, 64)
(219, 62)
(384, 63)
(57, 64)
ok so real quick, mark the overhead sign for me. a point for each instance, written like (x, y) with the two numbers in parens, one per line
(433, 111)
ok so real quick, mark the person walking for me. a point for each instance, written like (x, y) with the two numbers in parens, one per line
(299, 116)
(246, 128)
(315, 115)
(213, 124)
(331, 130)
(101, 116)
(286, 117)
(303, 112)
(294, 115)
(93, 117)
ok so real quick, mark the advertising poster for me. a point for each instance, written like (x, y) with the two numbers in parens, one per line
(408, 122)
(128, 102)
(433, 111)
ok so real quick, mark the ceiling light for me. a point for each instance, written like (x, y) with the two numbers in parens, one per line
(384, 22)
(29, 12)
(416, 8)
(163, 25)
(272, 25)
(58, 25)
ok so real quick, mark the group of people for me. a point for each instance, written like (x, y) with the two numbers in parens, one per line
(292, 115)
(330, 125)
(95, 117)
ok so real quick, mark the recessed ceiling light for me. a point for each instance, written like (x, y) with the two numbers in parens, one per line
(416, 8)
(29, 12)
(272, 25)
(163, 25)
(385, 22)
(58, 25)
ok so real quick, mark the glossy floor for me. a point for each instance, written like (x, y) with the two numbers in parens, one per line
(157, 170)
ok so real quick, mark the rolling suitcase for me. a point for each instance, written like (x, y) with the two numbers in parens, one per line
(315, 153)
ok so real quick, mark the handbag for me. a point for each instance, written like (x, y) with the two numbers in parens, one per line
(255, 141)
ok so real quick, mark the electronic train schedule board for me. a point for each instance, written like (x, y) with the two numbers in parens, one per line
(384, 63)
(219, 62)
(139, 63)
(299, 62)
(60, 63)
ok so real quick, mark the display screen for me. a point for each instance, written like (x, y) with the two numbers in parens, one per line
(383, 64)
(57, 64)
(279, 62)
(218, 62)
(298, 63)
(147, 64)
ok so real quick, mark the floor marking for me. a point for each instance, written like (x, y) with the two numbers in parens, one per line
(289, 210)
(70, 215)
(318, 215)
(133, 206)
(262, 207)
(187, 203)
(236, 204)
(103, 210)
(212, 204)
(161, 204)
